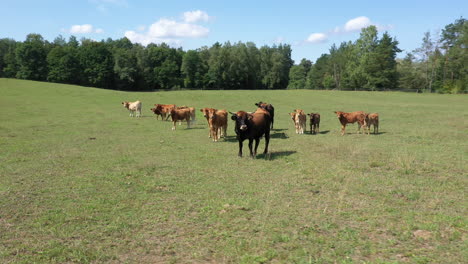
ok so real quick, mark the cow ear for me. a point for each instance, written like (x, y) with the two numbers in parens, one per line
(250, 117)
(234, 117)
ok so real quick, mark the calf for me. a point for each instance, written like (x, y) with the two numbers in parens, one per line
(252, 127)
(163, 110)
(351, 118)
(269, 108)
(372, 119)
(133, 107)
(205, 114)
(192, 113)
(217, 120)
(314, 122)
(299, 119)
(179, 115)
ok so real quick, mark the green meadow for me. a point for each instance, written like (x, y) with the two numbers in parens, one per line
(82, 182)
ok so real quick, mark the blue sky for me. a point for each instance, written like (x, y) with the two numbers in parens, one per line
(310, 27)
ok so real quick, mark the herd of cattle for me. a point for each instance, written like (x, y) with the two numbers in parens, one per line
(252, 125)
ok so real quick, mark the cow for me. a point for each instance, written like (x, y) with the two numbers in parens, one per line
(192, 112)
(217, 120)
(252, 127)
(270, 110)
(180, 115)
(314, 122)
(163, 110)
(205, 114)
(133, 107)
(351, 118)
(372, 119)
(299, 118)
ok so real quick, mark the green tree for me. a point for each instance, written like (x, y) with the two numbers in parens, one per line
(31, 58)
(7, 54)
(97, 63)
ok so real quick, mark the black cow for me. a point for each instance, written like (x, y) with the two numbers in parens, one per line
(270, 110)
(314, 122)
(252, 126)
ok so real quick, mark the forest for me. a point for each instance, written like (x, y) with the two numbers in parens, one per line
(368, 63)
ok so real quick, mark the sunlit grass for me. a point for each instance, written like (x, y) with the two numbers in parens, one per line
(81, 181)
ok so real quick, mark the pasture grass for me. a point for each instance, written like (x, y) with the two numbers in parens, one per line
(81, 181)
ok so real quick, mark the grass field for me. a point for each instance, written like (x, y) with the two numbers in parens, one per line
(81, 181)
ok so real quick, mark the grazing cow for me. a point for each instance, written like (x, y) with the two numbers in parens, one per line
(314, 122)
(133, 107)
(372, 119)
(163, 110)
(270, 110)
(252, 126)
(299, 118)
(217, 120)
(351, 118)
(179, 115)
(205, 114)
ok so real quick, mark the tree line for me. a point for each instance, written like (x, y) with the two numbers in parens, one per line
(370, 62)
(440, 64)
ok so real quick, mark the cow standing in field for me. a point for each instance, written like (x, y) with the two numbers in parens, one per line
(192, 113)
(372, 119)
(252, 127)
(163, 110)
(180, 115)
(269, 108)
(205, 114)
(133, 107)
(314, 122)
(351, 118)
(217, 120)
(299, 118)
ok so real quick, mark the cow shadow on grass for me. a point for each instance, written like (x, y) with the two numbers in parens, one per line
(281, 135)
(321, 133)
(276, 155)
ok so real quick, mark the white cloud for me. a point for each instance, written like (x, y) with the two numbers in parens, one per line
(317, 38)
(279, 40)
(169, 31)
(196, 16)
(84, 29)
(357, 23)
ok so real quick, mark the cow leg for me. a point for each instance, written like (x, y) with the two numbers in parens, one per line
(267, 142)
(174, 125)
(188, 122)
(240, 148)
(318, 128)
(251, 147)
(343, 129)
(257, 141)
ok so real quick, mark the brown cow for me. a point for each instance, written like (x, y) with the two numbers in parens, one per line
(179, 115)
(205, 114)
(372, 119)
(252, 126)
(269, 108)
(217, 120)
(299, 119)
(314, 121)
(351, 118)
(164, 110)
(133, 107)
(192, 112)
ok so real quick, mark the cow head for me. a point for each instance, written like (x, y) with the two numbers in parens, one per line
(339, 114)
(241, 119)
(293, 116)
(210, 113)
(126, 104)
